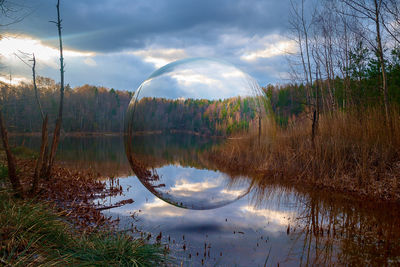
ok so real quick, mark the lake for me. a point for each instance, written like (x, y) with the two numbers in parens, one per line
(208, 215)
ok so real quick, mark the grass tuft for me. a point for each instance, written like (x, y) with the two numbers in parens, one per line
(33, 235)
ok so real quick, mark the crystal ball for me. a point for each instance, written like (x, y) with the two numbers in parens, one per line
(186, 128)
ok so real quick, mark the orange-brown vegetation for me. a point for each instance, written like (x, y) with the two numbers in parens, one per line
(353, 152)
(72, 192)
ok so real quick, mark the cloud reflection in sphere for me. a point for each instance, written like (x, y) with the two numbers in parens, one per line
(180, 122)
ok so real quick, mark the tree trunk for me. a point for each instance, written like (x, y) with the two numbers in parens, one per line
(40, 159)
(54, 145)
(315, 119)
(35, 87)
(56, 135)
(12, 173)
(313, 128)
(382, 63)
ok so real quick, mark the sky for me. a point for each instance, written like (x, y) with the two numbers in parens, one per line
(198, 78)
(120, 43)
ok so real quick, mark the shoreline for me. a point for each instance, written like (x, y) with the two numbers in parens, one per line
(342, 190)
(138, 133)
(72, 134)
(62, 225)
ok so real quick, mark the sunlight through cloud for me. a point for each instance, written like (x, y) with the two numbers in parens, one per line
(9, 46)
(271, 50)
(160, 57)
(264, 47)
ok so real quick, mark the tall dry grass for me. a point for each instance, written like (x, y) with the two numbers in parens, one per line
(354, 151)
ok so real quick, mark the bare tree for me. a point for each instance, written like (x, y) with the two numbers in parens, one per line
(40, 160)
(328, 27)
(344, 43)
(33, 67)
(11, 13)
(391, 19)
(56, 135)
(44, 144)
(371, 11)
(35, 86)
(301, 29)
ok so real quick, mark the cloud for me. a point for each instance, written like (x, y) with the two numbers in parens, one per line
(14, 80)
(90, 61)
(160, 57)
(121, 70)
(198, 78)
(152, 33)
(10, 46)
(114, 70)
(272, 46)
(114, 25)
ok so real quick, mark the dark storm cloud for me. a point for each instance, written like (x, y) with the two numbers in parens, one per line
(131, 39)
(114, 25)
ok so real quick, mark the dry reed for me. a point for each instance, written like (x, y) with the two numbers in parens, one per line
(354, 151)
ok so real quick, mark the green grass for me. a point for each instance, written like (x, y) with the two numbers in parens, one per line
(33, 235)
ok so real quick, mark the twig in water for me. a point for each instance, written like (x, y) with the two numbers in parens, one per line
(266, 260)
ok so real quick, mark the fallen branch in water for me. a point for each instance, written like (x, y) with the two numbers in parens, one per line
(116, 205)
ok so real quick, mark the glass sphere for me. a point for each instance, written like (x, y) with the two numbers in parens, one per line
(186, 128)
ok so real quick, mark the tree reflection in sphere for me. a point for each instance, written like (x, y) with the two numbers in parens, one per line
(184, 128)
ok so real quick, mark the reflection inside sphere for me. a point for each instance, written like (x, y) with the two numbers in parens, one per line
(187, 129)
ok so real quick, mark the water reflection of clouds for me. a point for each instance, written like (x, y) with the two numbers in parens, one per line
(197, 188)
(233, 192)
(242, 214)
(183, 187)
(222, 227)
(161, 209)
(276, 217)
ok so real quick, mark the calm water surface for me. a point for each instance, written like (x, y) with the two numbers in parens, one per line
(210, 217)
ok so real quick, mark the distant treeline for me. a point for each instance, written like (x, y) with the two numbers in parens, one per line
(86, 108)
(98, 109)
(208, 117)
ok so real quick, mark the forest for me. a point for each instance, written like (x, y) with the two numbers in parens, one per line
(87, 108)
(91, 109)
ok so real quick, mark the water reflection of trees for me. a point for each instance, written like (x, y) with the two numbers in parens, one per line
(104, 154)
(332, 230)
(186, 150)
(203, 116)
(147, 153)
(158, 150)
